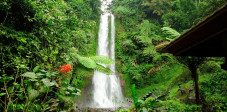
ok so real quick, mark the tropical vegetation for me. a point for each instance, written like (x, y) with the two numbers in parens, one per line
(144, 24)
(48, 55)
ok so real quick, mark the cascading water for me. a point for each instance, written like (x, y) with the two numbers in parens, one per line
(106, 88)
(105, 91)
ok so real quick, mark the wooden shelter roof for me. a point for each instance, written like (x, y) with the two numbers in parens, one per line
(206, 39)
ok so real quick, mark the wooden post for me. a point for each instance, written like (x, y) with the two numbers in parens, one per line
(193, 63)
(193, 69)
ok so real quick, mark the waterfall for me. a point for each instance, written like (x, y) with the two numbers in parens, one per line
(106, 90)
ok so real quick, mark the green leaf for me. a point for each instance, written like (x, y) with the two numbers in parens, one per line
(78, 90)
(77, 94)
(65, 98)
(156, 57)
(33, 80)
(1, 94)
(144, 39)
(11, 89)
(43, 89)
(135, 99)
(48, 83)
(71, 88)
(102, 60)
(16, 85)
(49, 74)
(87, 62)
(23, 40)
(144, 109)
(55, 83)
(102, 69)
(38, 107)
(36, 69)
(43, 71)
(29, 75)
(39, 74)
(67, 92)
(171, 32)
(33, 94)
(149, 50)
(6, 78)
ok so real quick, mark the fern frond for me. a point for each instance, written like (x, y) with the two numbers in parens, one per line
(104, 70)
(87, 62)
(144, 38)
(157, 57)
(149, 50)
(82, 71)
(102, 60)
(172, 32)
(128, 43)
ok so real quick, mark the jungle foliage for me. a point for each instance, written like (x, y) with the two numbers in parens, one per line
(47, 50)
(143, 24)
